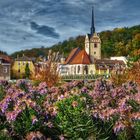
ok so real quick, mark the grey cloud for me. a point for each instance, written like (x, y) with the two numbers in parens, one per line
(33, 23)
(44, 30)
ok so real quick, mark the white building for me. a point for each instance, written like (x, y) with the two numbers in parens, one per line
(121, 58)
(89, 61)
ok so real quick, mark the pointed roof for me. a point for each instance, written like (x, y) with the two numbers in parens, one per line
(71, 56)
(95, 37)
(92, 22)
(81, 58)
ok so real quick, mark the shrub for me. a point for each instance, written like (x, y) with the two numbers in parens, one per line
(74, 119)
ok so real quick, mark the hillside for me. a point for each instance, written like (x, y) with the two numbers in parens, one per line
(117, 42)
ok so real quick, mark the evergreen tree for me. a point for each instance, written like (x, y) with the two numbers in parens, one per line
(27, 71)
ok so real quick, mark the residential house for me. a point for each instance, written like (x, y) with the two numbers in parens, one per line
(19, 65)
(5, 67)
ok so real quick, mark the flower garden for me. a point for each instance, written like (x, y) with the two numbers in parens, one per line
(78, 110)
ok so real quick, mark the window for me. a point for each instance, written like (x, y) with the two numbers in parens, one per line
(91, 72)
(94, 52)
(18, 70)
(23, 63)
(75, 70)
(5, 69)
(86, 69)
(95, 45)
(78, 69)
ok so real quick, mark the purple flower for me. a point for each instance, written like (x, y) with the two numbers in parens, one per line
(34, 120)
(119, 126)
(11, 116)
(84, 90)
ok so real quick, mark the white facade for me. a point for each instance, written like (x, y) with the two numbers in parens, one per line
(93, 46)
(122, 58)
(77, 69)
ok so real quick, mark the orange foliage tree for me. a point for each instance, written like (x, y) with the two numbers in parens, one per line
(134, 72)
(131, 73)
(48, 71)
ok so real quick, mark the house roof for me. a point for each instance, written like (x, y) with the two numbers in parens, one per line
(24, 58)
(81, 58)
(71, 56)
(5, 58)
(106, 63)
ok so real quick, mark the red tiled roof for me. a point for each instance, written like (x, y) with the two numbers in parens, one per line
(81, 58)
(72, 55)
(5, 58)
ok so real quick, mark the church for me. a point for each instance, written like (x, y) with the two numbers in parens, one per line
(89, 60)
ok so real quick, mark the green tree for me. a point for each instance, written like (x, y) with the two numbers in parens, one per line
(120, 41)
(27, 71)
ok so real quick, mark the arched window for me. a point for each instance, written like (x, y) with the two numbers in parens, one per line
(75, 70)
(86, 69)
(72, 70)
(78, 70)
(91, 72)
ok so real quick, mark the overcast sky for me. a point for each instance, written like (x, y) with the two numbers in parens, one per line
(26, 24)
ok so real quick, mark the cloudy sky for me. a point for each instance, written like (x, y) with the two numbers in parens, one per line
(26, 24)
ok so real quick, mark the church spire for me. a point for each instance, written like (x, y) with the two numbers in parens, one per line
(92, 23)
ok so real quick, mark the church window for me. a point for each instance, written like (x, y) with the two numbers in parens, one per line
(95, 45)
(78, 69)
(72, 70)
(75, 70)
(86, 69)
(91, 72)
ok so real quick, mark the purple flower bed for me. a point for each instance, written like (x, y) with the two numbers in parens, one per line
(78, 109)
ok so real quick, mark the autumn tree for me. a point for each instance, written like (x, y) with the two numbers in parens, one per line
(48, 71)
(134, 72)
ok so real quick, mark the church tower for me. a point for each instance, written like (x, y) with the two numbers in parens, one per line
(93, 42)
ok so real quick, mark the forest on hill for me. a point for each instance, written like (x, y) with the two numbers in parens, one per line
(117, 42)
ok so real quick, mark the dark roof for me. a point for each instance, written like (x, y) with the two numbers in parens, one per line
(107, 63)
(71, 56)
(5, 59)
(81, 58)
